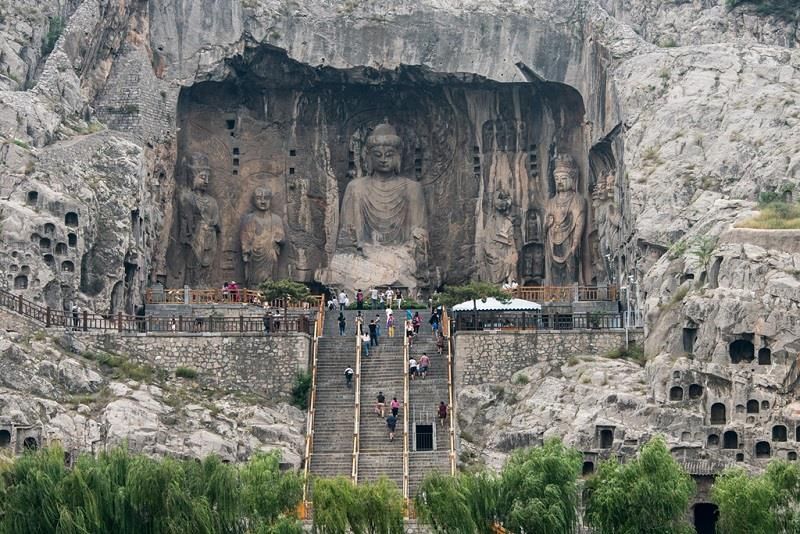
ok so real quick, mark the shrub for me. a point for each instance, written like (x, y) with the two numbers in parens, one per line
(634, 353)
(53, 33)
(301, 390)
(186, 372)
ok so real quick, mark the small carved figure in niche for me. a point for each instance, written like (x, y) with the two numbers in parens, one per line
(421, 255)
(262, 235)
(533, 265)
(383, 208)
(501, 252)
(199, 222)
(533, 227)
(565, 220)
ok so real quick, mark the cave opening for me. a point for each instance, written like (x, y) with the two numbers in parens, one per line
(706, 515)
(30, 444)
(741, 351)
(458, 132)
(730, 440)
(752, 406)
(764, 356)
(5, 438)
(763, 449)
(695, 391)
(676, 393)
(779, 433)
(712, 441)
(718, 414)
(588, 468)
(71, 219)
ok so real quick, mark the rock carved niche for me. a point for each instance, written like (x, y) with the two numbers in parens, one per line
(479, 160)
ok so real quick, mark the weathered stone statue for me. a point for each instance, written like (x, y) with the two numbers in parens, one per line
(500, 252)
(199, 223)
(383, 231)
(565, 220)
(262, 236)
(383, 208)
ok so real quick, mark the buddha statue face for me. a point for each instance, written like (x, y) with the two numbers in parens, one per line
(564, 174)
(199, 172)
(384, 147)
(262, 198)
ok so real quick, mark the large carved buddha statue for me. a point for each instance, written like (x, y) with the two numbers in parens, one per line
(565, 220)
(384, 207)
(383, 227)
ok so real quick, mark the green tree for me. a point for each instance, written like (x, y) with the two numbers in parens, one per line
(538, 489)
(703, 250)
(765, 503)
(279, 289)
(334, 498)
(647, 495)
(371, 508)
(453, 295)
(442, 504)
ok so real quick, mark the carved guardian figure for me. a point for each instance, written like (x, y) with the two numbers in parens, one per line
(199, 223)
(565, 220)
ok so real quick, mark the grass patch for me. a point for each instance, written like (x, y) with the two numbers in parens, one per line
(120, 368)
(186, 372)
(301, 390)
(21, 144)
(634, 353)
(677, 297)
(775, 215)
(521, 379)
(573, 361)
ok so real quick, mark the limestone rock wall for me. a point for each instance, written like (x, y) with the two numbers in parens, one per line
(62, 388)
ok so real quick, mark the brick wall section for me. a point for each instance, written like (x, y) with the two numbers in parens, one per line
(261, 364)
(485, 357)
(134, 100)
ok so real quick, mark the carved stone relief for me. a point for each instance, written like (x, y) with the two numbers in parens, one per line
(262, 238)
(426, 183)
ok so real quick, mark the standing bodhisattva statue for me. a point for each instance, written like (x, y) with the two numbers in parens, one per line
(383, 208)
(199, 223)
(262, 235)
(565, 220)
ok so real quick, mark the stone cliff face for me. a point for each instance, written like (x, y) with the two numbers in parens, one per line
(678, 115)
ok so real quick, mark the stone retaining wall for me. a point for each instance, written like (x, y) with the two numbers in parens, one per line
(261, 364)
(487, 356)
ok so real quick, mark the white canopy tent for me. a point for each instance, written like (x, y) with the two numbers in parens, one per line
(492, 304)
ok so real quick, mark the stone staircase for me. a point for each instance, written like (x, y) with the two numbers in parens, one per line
(424, 397)
(334, 416)
(383, 370)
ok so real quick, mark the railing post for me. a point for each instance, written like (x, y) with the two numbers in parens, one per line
(180, 323)
(85, 320)
(241, 323)
(119, 321)
(19, 305)
(186, 295)
(47, 317)
(148, 326)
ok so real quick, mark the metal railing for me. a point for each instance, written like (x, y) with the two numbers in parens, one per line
(513, 321)
(357, 405)
(566, 293)
(220, 296)
(312, 401)
(86, 320)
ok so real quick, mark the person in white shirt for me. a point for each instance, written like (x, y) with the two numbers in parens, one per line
(389, 297)
(373, 296)
(342, 300)
(412, 368)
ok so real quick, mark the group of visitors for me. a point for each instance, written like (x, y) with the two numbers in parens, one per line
(377, 299)
(394, 406)
(230, 291)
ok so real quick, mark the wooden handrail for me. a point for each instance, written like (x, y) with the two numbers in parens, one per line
(87, 320)
(566, 293)
(450, 391)
(357, 405)
(406, 498)
(318, 329)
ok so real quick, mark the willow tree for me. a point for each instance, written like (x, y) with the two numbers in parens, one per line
(649, 494)
(538, 489)
(442, 503)
(372, 508)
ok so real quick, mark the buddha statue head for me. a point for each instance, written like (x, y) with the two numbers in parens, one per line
(383, 150)
(262, 198)
(565, 174)
(198, 171)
